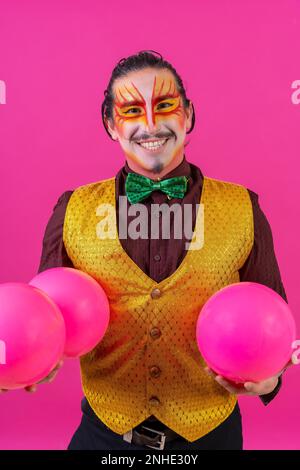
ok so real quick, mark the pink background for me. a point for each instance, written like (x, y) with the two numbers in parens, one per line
(238, 61)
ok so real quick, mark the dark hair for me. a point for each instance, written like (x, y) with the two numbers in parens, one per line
(139, 61)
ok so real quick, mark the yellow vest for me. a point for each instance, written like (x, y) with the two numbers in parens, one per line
(148, 362)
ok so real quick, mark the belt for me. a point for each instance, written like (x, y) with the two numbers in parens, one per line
(143, 435)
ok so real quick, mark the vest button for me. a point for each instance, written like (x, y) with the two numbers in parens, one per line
(154, 401)
(155, 371)
(155, 293)
(157, 257)
(155, 333)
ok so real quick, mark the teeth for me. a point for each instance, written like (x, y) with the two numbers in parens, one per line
(153, 145)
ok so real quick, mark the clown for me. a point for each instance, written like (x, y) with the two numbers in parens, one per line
(146, 384)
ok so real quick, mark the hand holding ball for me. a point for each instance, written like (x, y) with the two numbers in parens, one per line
(245, 332)
(61, 312)
(32, 332)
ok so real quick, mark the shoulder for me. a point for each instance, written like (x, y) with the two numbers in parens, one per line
(63, 199)
(94, 187)
(254, 197)
(261, 222)
(84, 190)
(86, 195)
(262, 226)
(226, 187)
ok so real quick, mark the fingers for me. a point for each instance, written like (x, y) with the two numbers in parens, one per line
(254, 388)
(60, 364)
(50, 377)
(263, 387)
(229, 386)
(236, 390)
(31, 388)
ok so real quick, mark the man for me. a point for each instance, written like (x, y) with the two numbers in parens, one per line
(146, 384)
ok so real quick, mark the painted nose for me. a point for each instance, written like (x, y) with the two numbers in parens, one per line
(151, 124)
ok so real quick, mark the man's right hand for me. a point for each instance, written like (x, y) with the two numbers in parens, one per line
(49, 378)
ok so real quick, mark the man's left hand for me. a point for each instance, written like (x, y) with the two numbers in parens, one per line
(248, 388)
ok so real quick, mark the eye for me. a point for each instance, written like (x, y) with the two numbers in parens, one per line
(129, 111)
(168, 106)
(161, 105)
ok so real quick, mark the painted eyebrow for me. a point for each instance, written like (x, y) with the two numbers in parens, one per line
(140, 103)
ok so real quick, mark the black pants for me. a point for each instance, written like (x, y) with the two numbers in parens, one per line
(93, 434)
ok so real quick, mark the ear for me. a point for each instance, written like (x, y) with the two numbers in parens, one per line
(111, 128)
(189, 113)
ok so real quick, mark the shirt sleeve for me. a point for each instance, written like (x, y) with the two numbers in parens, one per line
(53, 250)
(261, 266)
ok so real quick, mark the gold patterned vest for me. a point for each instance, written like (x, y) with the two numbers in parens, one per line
(148, 362)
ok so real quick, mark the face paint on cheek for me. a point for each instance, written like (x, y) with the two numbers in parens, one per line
(170, 111)
(126, 125)
(127, 128)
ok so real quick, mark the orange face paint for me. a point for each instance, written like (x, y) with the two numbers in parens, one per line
(130, 103)
(148, 106)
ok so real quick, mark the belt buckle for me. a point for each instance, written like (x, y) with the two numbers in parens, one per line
(161, 443)
(127, 436)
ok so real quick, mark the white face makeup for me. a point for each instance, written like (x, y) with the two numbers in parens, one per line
(150, 121)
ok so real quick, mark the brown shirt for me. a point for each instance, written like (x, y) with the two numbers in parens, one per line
(160, 257)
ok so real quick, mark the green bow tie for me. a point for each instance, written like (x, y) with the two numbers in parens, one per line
(138, 187)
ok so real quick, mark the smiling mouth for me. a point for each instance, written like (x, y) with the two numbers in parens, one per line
(153, 145)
